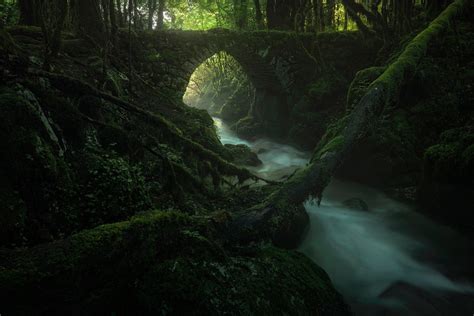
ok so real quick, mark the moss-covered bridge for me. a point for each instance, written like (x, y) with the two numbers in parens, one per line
(280, 65)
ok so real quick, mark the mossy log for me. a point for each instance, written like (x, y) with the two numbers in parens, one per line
(310, 182)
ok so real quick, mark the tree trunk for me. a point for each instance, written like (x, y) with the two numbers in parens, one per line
(330, 5)
(317, 18)
(151, 13)
(258, 14)
(321, 16)
(241, 13)
(2, 3)
(354, 9)
(161, 10)
(280, 14)
(434, 7)
(89, 22)
(56, 36)
(136, 17)
(300, 16)
(106, 15)
(270, 10)
(346, 19)
(119, 14)
(125, 13)
(113, 21)
(130, 65)
(29, 14)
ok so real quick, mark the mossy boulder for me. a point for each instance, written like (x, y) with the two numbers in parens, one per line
(237, 105)
(248, 127)
(261, 280)
(243, 155)
(447, 186)
(55, 186)
(13, 214)
(32, 160)
(173, 265)
(198, 125)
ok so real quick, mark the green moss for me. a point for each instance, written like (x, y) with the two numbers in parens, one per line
(25, 30)
(62, 112)
(333, 131)
(247, 127)
(448, 170)
(325, 87)
(452, 159)
(444, 152)
(406, 64)
(13, 214)
(111, 187)
(333, 145)
(468, 158)
(360, 85)
(164, 261)
(8, 44)
(28, 151)
(242, 155)
(241, 284)
(115, 83)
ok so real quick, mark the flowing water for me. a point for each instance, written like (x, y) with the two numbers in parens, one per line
(389, 260)
(278, 160)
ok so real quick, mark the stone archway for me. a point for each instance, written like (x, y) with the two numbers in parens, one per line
(269, 110)
(272, 61)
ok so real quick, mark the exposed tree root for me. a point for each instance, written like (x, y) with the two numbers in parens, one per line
(78, 87)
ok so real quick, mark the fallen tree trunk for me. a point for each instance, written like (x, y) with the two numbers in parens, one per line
(311, 181)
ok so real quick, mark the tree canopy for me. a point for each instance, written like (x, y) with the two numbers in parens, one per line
(384, 16)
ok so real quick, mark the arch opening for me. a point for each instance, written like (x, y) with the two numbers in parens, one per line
(222, 87)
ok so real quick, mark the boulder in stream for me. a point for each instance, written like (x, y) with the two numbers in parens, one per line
(243, 155)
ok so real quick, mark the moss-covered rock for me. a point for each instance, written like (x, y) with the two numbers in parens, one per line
(243, 155)
(172, 266)
(13, 214)
(248, 127)
(447, 188)
(237, 105)
(264, 281)
(60, 185)
(32, 159)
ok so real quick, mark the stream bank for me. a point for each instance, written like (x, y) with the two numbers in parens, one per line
(385, 259)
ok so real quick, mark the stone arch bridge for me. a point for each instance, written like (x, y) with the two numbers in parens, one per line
(280, 65)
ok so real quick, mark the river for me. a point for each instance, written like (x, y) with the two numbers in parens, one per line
(389, 260)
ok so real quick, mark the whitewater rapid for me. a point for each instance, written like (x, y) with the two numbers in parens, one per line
(388, 260)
